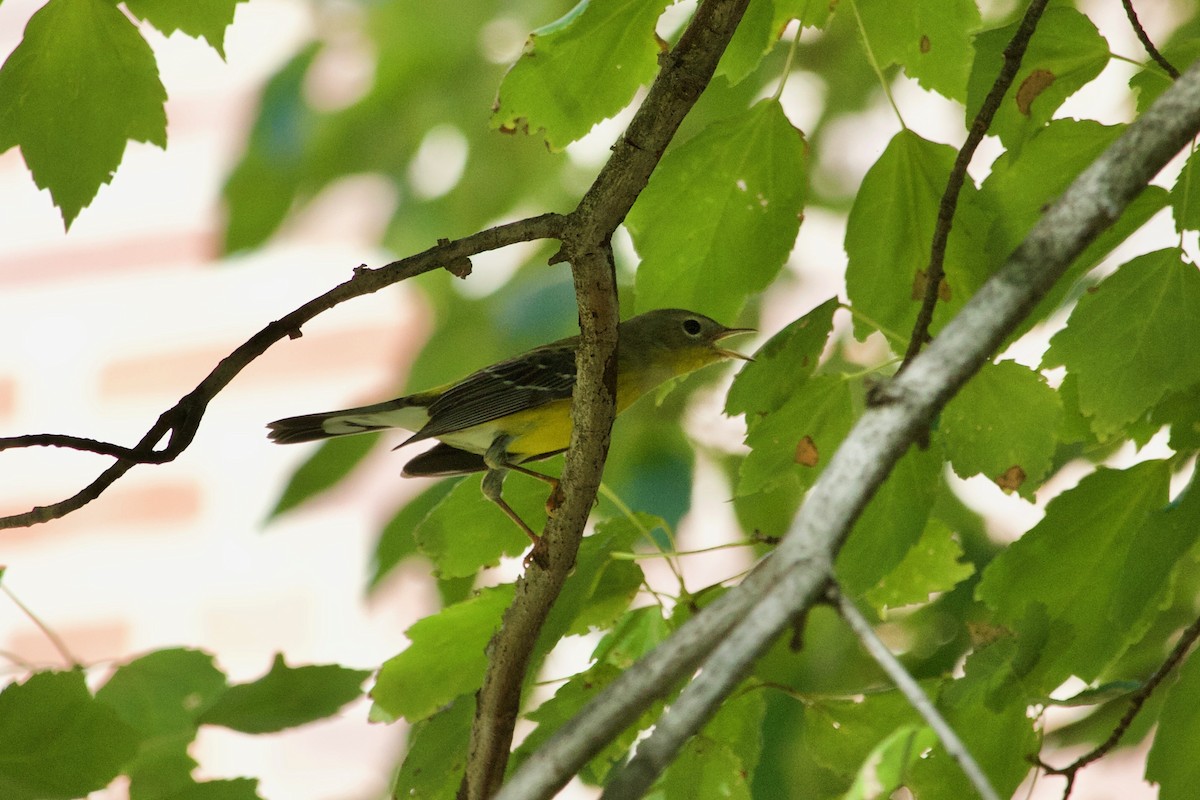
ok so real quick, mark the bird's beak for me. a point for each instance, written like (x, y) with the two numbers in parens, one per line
(725, 334)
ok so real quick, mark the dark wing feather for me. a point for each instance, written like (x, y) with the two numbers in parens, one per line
(530, 380)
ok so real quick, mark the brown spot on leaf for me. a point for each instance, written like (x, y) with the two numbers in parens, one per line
(807, 454)
(924, 44)
(983, 633)
(1012, 479)
(921, 280)
(1038, 81)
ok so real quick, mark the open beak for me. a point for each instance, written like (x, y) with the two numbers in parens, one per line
(725, 334)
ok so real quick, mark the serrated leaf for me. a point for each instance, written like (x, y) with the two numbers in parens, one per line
(1185, 195)
(815, 419)
(931, 40)
(449, 644)
(397, 540)
(931, 565)
(1172, 762)
(437, 753)
(56, 741)
(325, 468)
(161, 695)
(580, 70)
(892, 523)
(883, 771)
(199, 18)
(1005, 417)
(720, 214)
(1056, 583)
(465, 531)
(601, 587)
(80, 85)
(783, 363)
(890, 231)
(634, 635)
(987, 708)
(1065, 53)
(286, 697)
(810, 13)
(1132, 340)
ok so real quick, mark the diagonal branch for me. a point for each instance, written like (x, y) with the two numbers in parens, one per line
(178, 424)
(1144, 38)
(792, 578)
(1013, 54)
(684, 73)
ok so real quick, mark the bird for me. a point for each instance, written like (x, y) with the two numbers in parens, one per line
(519, 410)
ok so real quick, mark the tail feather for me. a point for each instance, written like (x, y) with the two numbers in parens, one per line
(399, 413)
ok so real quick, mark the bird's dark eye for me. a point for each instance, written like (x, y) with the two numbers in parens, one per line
(691, 326)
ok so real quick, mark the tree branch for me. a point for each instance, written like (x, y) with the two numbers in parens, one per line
(180, 422)
(586, 244)
(791, 578)
(1013, 54)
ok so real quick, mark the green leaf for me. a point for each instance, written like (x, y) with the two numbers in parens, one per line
(634, 635)
(1006, 419)
(81, 84)
(704, 768)
(580, 70)
(720, 214)
(892, 523)
(987, 708)
(931, 39)
(466, 531)
(931, 565)
(793, 443)
(890, 232)
(738, 725)
(437, 753)
(397, 541)
(1065, 53)
(783, 363)
(841, 734)
(810, 13)
(449, 644)
(325, 468)
(1172, 761)
(755, 36)
(286, 697)
(235, 789)
(161, 695)
(1057, 582)
(601, 587)
(884, 770)
(56, 741)
(1185, 195)
(1132, 340)
(199, 18)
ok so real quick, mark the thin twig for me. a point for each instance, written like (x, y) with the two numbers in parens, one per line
(916, 697)
(791, 577)
(1136, 701)
(1144, 38)
(46, 630)
(1013, 54)
(179, 423)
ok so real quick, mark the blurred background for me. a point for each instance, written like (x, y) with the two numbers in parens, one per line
(335, 134)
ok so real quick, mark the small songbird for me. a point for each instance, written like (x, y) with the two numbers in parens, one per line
(519, 410)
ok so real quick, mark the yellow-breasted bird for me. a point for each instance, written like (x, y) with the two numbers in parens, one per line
(519, 410)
